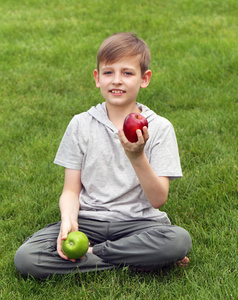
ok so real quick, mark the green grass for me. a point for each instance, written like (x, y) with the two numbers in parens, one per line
(47, 55)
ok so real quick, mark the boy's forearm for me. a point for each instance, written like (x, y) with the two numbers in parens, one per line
(69, 205)
(155, 188)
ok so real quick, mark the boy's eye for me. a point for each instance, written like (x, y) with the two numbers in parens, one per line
(107, 73)
(127, 73)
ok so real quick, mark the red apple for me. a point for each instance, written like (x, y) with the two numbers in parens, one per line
(133, 122)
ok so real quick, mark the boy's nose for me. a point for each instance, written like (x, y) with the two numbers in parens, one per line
(117, 79)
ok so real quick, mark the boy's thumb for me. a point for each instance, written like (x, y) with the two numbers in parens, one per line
(64, 236)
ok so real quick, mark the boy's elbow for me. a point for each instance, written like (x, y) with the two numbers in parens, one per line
(159, 203)
(157, 206)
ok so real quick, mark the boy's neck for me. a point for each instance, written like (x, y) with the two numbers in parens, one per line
(117, 114)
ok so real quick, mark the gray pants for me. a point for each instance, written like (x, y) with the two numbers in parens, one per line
(142, 244)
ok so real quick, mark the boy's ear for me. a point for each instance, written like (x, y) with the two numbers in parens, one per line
(146, 79)
(96, 76)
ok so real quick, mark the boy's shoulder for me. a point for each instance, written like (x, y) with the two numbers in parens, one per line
(153, 118)
(79, 119)
(100, 108)
(93, 116)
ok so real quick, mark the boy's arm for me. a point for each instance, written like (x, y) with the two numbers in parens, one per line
(155, 188)
(69, 206)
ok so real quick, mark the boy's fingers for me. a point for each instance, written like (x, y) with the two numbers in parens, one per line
(121, 134)
(145, 133)
(140, 136)
(143, 136)
(63, 235)
(122, 137)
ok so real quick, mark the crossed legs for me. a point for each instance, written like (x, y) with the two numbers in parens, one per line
(140, 244)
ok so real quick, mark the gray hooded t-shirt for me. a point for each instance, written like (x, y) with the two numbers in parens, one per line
(110, 188)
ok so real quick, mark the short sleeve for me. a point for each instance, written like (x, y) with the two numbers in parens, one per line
(69, 154)
(165, 159)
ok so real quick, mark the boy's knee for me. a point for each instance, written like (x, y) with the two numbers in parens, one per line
(183, 242)
(23, 261)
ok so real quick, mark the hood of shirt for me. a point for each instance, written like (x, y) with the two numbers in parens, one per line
(99, 113)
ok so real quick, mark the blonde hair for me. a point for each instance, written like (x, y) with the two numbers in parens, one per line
(123, 44)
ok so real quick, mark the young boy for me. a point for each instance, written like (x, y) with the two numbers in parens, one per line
(113, 189)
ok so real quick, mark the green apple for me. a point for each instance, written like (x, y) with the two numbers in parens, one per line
(76, 245)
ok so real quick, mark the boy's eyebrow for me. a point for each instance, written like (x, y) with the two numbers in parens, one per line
(125, 68)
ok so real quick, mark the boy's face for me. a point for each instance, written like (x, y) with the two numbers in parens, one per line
(121, 81)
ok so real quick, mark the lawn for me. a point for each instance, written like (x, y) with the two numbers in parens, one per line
(47, 56)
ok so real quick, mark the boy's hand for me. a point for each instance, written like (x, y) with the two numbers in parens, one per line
(65, 229)
(134, 150)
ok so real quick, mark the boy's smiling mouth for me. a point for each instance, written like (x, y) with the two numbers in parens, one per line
(116, 91)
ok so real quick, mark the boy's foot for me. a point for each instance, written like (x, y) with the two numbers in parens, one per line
(183, 263)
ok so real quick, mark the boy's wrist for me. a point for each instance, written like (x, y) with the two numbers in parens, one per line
(137, 159)
(69, 218)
